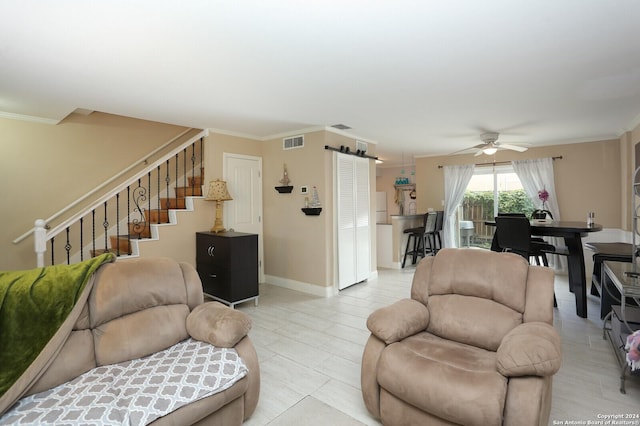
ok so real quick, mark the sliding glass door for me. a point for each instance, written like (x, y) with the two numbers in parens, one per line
(491, 190)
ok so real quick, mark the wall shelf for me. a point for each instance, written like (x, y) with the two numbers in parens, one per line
(405, 187)
(284, 189)
(312, 211)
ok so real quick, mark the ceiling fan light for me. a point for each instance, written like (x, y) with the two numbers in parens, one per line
(490, 151)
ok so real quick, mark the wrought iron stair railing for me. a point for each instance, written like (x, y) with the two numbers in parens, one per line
(127, 212)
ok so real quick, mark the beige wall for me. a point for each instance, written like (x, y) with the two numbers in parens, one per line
(296, 244)
(300, 248)
(44, 167)
(216, 144)
(587, 178)
(83, 151)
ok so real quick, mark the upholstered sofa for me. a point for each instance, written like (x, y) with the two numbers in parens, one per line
(196, 356)
(474, 345)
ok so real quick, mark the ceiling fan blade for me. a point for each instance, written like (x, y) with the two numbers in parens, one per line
(479, 153)
(513, 147)
(467, 150)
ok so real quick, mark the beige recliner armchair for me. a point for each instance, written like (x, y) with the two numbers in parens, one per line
(474, 345)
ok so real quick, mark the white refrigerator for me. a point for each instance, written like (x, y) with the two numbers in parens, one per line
(381, 207)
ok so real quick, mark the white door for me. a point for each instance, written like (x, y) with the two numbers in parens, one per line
(352, 219)
(243, 175)
(363, 222)
(346, 222)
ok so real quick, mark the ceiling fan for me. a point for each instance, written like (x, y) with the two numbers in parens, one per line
(490, 145)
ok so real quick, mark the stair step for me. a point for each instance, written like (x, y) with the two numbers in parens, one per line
(196, 180)
(122, 243)
(139, 230)
(188, 191)
(98, 252)
(173, 203)
(157, 216)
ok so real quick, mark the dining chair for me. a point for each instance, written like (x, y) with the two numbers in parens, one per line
(513, 234)
(533, 215)
(494, 242)
(541, 214)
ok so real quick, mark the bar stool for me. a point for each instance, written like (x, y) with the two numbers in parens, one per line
(418, 239)
(438, 231)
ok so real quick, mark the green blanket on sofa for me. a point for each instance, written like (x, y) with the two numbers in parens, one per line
(33, 305)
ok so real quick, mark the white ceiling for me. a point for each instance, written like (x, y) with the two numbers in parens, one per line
(417, 77)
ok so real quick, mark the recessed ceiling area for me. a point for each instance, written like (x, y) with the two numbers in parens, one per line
(415, 77)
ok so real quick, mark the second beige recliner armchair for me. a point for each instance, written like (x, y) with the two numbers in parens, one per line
(474, 345)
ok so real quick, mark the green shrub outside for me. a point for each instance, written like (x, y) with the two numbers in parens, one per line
(478, 207)
(508, 202)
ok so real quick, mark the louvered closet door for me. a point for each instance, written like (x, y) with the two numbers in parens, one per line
(353, 222)
(362, 211)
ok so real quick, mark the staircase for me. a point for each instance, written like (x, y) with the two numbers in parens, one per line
(125, 245)
(131, 212)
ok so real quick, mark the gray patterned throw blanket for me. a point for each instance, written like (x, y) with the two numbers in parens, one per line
(134, 392)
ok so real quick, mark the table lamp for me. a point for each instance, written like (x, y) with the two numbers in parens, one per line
(218, 192)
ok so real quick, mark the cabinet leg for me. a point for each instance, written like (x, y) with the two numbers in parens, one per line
(255, 302)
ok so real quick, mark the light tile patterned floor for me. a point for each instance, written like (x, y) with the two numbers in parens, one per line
(310, 345)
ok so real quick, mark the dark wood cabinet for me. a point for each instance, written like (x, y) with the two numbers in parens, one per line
(227, 263)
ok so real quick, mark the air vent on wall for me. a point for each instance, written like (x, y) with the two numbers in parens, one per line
(293, 142)
(361, 146)
(341, 127)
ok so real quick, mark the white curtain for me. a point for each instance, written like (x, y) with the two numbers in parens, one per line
(456, 179)
(536, 175)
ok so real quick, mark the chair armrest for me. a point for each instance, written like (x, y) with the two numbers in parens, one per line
(395, 322)
(530, 349)
(218, 324)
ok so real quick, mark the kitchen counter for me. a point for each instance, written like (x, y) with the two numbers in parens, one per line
(399, 238)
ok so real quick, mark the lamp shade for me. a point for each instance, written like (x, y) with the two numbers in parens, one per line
(218, 191)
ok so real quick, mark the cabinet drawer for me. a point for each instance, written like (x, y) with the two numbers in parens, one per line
(228, 284)
(215, 280)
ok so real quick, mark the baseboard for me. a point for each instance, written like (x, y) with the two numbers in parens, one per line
(300, 286)
(307, 288)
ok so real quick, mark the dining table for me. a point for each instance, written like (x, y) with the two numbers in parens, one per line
(572, 233)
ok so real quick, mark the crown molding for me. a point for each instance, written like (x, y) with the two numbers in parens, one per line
(235, 134)
(31, 118)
